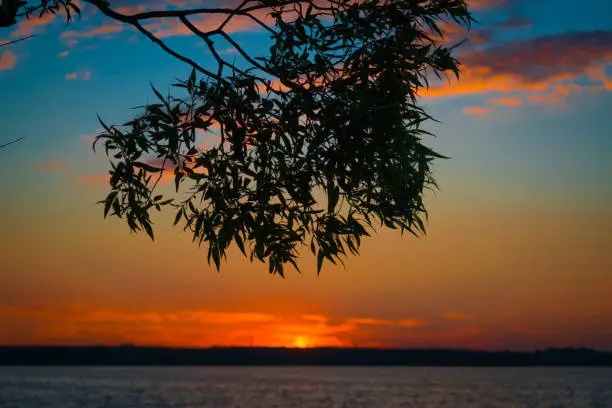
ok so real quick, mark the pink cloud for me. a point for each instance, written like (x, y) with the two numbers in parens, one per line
(107, 29)
(543, 58)
(559, 93)
(510, 101)
(139, 8)
(32, 25)
(166, 176)
(85, 76)
(70, 34)
(7, 60)
(516, 22)
(545, 68)
(63, 54)
(477, 110)
(171, 28)
(71, 42)
(480, 4)
(150, 5)
(88, 138)
(97, 31)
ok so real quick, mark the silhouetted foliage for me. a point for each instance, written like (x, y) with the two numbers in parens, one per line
(11, 10)
(319, 141)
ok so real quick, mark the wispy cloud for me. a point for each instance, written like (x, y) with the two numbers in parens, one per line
(64, 323)
(559, 93)
(381, 322)
(536, 66)
(540, 59)
(52, 166)
(7, 60)
(89, 139)
(33, 25)
(93, 32)
(73, 323)
(484, 4)
(515, 22)
(477, 110)
(84, 75)
(510, 101)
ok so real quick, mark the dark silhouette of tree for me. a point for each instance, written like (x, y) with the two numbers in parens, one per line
(319, 142)
(12, 10)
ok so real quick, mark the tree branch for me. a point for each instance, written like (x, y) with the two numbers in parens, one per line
(16, 41)
(11, 142)
(135, 23)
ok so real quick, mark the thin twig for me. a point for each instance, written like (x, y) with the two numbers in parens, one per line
(11, 142)
(15, 41)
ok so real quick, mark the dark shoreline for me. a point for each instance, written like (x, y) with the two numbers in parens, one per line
(247, 356)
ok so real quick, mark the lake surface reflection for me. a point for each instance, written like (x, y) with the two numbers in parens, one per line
(303, 387)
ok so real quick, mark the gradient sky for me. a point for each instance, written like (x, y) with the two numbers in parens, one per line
(519, 246)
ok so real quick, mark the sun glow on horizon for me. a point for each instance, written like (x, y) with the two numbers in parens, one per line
(301, 342)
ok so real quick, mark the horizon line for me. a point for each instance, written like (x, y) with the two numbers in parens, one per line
(376, 348)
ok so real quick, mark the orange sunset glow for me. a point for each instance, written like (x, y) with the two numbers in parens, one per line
(301, 342)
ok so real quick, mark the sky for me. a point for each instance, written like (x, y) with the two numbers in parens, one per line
(518, 251)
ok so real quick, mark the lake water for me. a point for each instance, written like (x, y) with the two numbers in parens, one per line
(303, 387)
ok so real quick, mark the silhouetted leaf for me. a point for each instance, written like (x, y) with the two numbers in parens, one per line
(320, 257)
(110, 199)
(178, 216)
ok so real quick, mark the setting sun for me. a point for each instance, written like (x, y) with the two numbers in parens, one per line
(301, 342)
